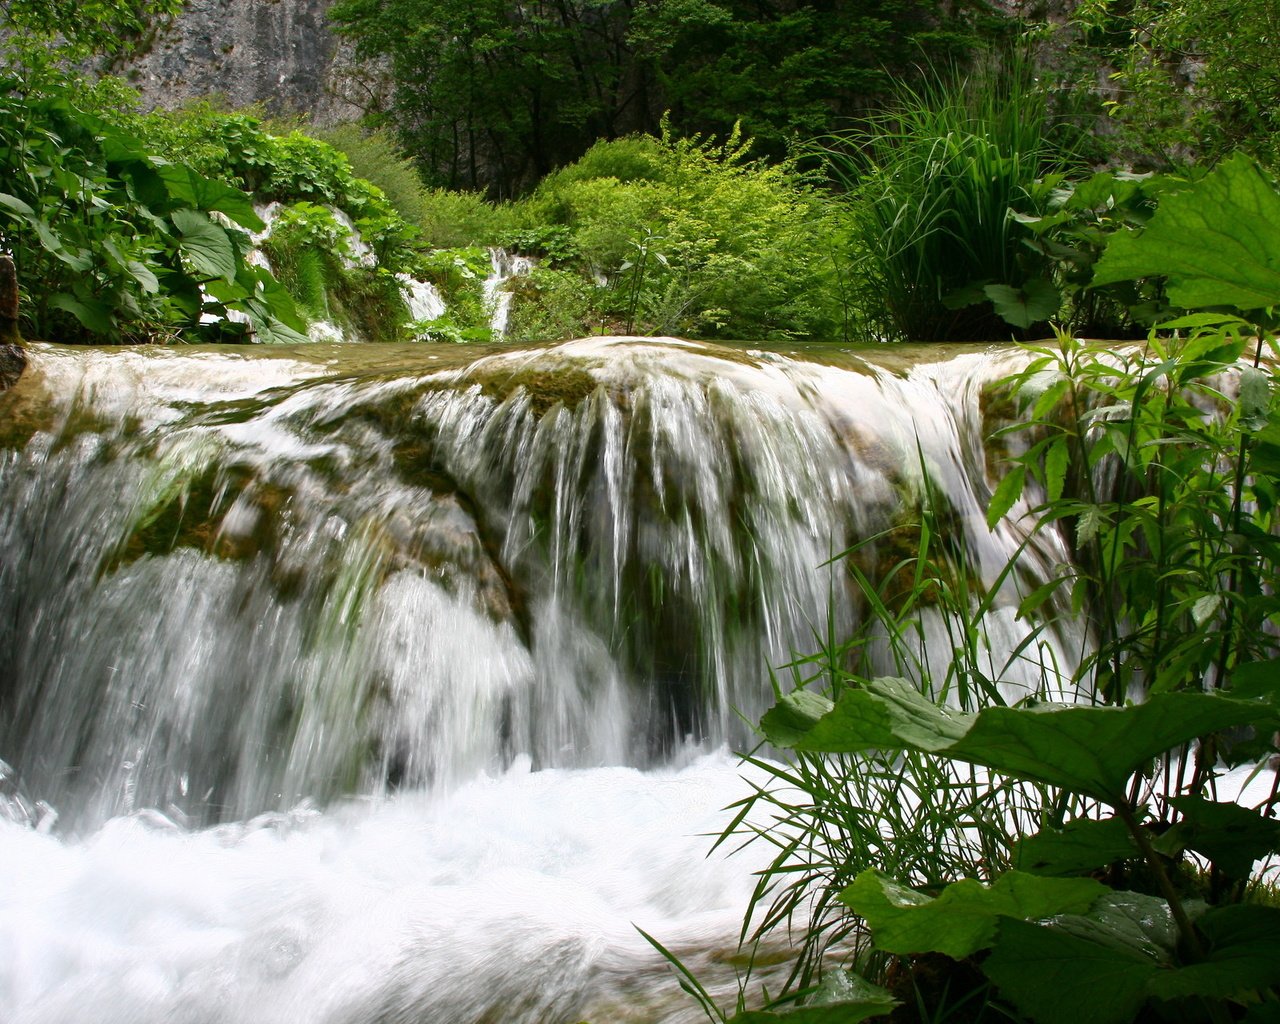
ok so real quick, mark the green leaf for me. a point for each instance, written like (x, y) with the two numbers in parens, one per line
(1131, 922)
(964, 916)
(788, 721)
(93, 314)
(1257, 679)
(1057, 978)
(1079, 847)
(1255, 399)
(1262, 1013)
(16, 205)
(1216, 242)
(189, 187)
(1055, 469)
(1091, 750)
(1008, 491)
(205, 244)
(1243, 955)
(855, 999)
(1231, 836)
(1035, 301)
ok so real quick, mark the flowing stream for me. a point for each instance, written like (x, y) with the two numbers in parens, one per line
(399, 684)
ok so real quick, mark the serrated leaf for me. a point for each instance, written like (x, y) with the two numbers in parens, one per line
(1057, 978)
(1215, 242)
(963, 918)
(1088, 524)
(1006, 493)
(1055, 469)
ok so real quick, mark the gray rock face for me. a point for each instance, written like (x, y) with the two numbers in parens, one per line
(280, 53)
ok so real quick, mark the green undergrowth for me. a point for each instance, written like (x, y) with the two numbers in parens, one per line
(950, 848)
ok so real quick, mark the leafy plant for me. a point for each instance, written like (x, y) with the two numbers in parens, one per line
(935, 253)
(698, 239)
(1116, 885)
(114, 243)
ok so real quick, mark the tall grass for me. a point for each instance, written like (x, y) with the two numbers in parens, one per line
(930, 184)
(919, 819)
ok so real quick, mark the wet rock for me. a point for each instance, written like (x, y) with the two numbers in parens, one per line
(281, 54)
(12, 359)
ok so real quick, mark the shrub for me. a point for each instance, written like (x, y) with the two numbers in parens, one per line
(696, 238)
(934, 253)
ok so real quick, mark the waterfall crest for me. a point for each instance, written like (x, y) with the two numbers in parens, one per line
(236, 582)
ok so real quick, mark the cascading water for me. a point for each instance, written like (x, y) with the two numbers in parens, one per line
(497, 297)
(357, 684)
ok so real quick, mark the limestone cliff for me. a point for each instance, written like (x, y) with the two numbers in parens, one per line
(280, 53)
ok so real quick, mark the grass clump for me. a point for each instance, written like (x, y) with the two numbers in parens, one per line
(933, 251)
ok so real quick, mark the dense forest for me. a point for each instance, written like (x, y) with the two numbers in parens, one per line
(772, 170)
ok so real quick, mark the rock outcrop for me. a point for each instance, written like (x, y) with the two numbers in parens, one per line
(12, 359)
(280, 53)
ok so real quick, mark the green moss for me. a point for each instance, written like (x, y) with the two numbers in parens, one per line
(546, 387)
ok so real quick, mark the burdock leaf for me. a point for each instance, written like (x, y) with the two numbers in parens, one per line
(1216, 242)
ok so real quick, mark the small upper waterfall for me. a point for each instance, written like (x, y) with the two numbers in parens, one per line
(242, 582)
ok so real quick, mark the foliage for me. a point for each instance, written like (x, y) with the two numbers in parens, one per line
(1194, 81)
(42, 35)
(698, 240)
(1078, 220)
(934, 253)
(553, 305)
(1127, 893)
(495, 95)
(115, 244)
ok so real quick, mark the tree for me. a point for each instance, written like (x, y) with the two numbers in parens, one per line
(1197, 79)
(494, 93)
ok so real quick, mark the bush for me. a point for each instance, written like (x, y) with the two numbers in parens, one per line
(1024, 851)
(695, 238)
(934, 253)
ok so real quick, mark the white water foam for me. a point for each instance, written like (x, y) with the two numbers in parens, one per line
(515, 898)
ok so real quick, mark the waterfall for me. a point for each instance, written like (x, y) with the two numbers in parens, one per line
(497, 298)
(390, 683)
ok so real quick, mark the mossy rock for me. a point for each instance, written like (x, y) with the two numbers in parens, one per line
(545, 386)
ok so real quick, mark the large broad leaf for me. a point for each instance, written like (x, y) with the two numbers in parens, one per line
(188, 187)
(1243, 954)
(964, 916)
(1131, 922)
(1080, 847)
(1216, 242)
(206, 245)
(93, 314)
(1035, 301)
(1058, 978)
(1231, 836)
(1091, 750)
